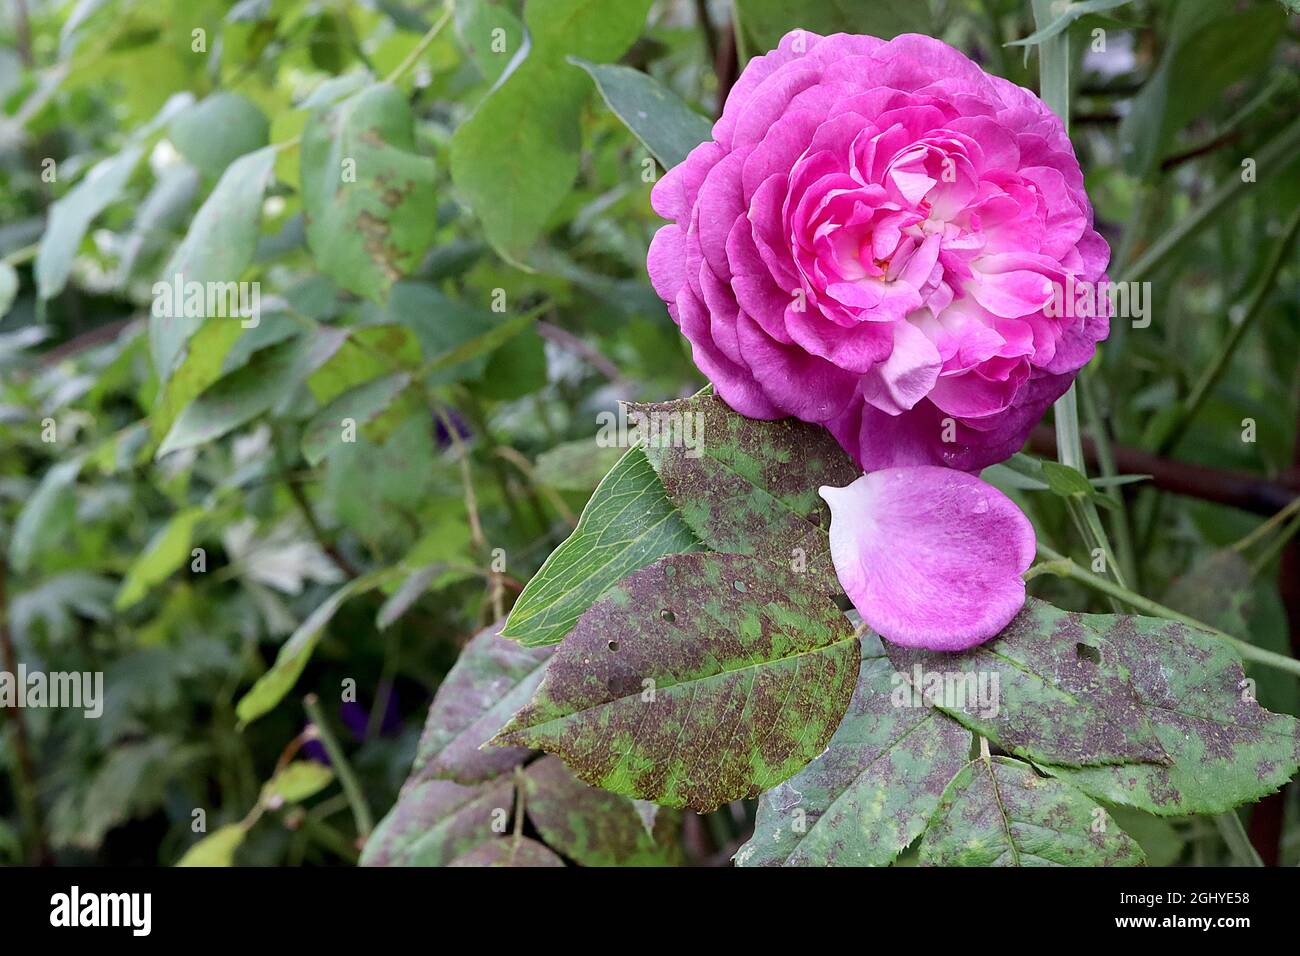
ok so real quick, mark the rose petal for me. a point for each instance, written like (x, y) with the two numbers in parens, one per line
(930, 557)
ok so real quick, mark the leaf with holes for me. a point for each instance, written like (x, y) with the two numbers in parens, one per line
(998, 812)
(1225, 749)
(368, 195)
(701, 679)
(1133, 710)
(870, 794)
(1053, 687)
(628, 523)
(594, 827)
(747, 486)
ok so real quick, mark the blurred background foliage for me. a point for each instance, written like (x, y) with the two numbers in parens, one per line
(478, 359)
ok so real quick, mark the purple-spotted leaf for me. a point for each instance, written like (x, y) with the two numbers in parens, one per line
(1052, 688)
(508, 851)
(1226, 750)
(998, 812)
(870, 794)
(698, 680)
(746, 486)
(435, 821)
(492, 679)
(594, 827)
(1133, 710)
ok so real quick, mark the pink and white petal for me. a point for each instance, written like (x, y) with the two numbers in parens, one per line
(930, 557)
(906, 377)
(666, 262)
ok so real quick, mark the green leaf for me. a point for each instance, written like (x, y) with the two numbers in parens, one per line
(217, 130)
(72, 215)
(1071, 13)
(765, 21)
(436, 821)
(515, 369)
(1066, 481)
(8, 287)
(216, 849)
(746, 486)
(39, 525)
(870, 794)
(480, 345)
(271, 687)
(167, 551)
(362, 404)
(525, 133)
(576, 465)
(509, 851)
(238, 398)
(628, 523)
(217, 249)
(594, 827)
(476, 24)
(998, 812)
(368, 195)
(492, 679)
(205, 357)
(373, 487)
(296, 782)
(657, 116)
(720, 650)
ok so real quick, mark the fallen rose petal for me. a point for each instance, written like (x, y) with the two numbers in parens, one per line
(929, 556)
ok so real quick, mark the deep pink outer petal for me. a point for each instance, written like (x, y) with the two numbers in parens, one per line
(929, 556)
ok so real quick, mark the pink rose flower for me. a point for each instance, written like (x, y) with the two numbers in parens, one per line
(869, 241)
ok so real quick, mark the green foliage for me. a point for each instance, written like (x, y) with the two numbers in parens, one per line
(1000, 813)
(722, 650)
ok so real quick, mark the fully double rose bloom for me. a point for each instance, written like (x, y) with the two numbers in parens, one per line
(871, 242)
